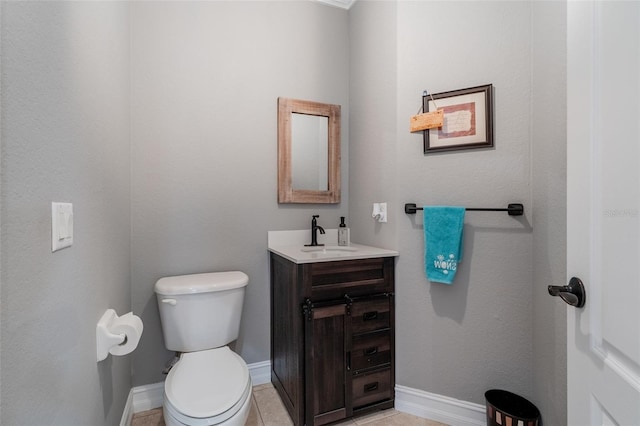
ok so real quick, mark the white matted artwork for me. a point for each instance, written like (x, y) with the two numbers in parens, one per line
(468, 119)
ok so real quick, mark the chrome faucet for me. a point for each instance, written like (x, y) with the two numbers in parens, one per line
(314, 231)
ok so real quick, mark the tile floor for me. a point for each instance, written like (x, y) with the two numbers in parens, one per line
(267, 410)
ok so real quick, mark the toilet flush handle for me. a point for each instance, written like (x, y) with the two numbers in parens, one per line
(171, 302)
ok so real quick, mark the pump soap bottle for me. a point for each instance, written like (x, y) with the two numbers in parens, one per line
(343, 233)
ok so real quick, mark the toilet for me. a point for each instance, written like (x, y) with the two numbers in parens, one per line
(200, 315)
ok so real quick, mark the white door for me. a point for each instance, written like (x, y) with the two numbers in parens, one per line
(603, 202)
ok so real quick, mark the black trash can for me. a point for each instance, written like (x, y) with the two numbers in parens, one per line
(508, 409)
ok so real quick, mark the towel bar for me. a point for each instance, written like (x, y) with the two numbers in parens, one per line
(512, 209)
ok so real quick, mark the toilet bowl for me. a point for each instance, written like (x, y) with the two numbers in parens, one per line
(210, 387)
(200, 314)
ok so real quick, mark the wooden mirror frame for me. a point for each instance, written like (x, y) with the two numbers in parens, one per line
(286, 193)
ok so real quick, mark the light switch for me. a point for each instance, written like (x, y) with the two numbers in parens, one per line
(61, 225)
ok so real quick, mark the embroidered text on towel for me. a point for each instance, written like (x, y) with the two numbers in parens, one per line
(450, 264)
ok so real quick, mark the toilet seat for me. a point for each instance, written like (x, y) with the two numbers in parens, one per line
(207, 387)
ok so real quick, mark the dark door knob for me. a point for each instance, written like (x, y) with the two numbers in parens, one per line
(573, 294)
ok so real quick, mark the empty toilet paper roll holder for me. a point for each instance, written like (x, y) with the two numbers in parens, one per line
(105, 339)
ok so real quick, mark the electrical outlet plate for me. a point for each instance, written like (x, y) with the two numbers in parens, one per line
(380, 212)
(383, 212)
(61, 226)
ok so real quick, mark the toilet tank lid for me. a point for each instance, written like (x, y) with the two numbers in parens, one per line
(201, 283)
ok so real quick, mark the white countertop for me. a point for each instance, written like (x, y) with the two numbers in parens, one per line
(291, 246)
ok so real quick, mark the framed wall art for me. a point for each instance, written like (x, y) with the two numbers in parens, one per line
(468, 119)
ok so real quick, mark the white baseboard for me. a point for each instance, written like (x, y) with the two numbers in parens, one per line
(260, 372)
(147, 397)
(412, 401)
(438, 407)
(127, 414)
(142, 398)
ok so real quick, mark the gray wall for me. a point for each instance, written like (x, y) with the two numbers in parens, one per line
(373, 133)
(495, 327)
(548, 148)
(205, 81)
(65, 137)
(476, 334)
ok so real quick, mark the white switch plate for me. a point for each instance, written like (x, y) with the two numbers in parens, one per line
(61, 225)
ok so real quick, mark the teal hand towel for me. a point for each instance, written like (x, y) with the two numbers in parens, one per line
(443, 242)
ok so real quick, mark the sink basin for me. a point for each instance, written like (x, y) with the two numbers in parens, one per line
(328, 249)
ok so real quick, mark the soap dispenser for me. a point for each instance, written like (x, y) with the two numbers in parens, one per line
(343, 233)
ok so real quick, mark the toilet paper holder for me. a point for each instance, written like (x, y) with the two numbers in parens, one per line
(106, 339)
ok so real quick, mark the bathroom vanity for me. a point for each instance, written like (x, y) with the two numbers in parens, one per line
(332, 330)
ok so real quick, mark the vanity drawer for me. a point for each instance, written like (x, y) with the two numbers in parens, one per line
(334, 280)
(371, 314)
(371, 387)
(371, 350)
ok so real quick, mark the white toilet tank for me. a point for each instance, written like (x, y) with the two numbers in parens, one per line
(200, 311)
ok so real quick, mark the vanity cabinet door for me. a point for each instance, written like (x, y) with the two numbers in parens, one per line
(327, 384)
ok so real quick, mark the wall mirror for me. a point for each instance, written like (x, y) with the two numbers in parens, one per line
(308, 152)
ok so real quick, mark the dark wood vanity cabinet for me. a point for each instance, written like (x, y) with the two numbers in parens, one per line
(332, 337)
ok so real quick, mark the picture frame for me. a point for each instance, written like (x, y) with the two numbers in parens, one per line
(468, 119)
